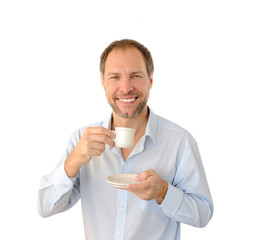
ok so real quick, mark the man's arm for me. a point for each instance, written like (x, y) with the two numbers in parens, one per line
(59, 190)
(187, 199)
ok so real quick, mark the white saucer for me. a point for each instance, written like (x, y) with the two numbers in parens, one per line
(122, 180)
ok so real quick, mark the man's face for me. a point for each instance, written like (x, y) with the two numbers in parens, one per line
(126, 82)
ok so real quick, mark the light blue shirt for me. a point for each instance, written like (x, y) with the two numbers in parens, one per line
(110, 213)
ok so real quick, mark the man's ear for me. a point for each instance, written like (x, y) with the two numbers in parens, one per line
(151, 80)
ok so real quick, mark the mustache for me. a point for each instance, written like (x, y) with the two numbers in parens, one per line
(127, 95)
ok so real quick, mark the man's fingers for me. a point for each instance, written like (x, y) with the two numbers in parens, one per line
(144, 175)
(99, 134)
(102, 131)
(102, 139)
(152, 186)
(135, 187)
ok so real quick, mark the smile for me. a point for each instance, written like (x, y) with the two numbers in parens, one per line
(127, 100)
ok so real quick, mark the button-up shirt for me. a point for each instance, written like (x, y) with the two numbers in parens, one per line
(110, 213)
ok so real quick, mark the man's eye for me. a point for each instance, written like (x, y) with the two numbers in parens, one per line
(136, 76)
(114, 77)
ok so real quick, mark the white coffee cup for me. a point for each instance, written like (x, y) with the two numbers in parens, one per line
(124, 137)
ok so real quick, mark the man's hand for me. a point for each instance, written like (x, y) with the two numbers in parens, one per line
(152, 187)
(92, 143)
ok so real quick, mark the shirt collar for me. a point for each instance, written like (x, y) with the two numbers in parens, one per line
(151, 127)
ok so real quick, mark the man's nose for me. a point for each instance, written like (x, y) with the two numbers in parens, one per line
(126, 86)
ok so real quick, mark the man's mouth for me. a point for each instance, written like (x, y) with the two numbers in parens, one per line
(127, 100)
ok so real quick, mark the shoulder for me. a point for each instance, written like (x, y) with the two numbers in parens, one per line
(169, 128)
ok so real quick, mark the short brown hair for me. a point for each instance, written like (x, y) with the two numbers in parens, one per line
(125, 43)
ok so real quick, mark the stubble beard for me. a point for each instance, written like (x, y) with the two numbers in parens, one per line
(128, 115)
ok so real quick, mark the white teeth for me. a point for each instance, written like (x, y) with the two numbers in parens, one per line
(127, 100)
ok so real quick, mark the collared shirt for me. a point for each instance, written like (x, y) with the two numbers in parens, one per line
(110, 213)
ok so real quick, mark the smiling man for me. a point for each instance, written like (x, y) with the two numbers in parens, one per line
(126, 82)
(164, 156)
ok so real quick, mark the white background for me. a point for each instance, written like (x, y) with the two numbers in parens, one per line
(205, 58)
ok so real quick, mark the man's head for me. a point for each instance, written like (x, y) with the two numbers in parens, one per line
(127, 75)
(128, 43)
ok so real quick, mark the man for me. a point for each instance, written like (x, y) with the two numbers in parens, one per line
(165, 158)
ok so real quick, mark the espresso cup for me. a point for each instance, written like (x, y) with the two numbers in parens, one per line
(124, 137)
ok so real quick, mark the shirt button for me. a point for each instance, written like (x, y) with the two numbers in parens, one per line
(118, 233)
(121, 206)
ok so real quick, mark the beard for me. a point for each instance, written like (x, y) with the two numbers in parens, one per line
(124, 114)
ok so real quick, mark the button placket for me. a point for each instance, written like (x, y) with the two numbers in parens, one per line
(122, 205)
(121, 215)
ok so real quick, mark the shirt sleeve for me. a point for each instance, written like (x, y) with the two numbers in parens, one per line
(188, 199)
(58, 192)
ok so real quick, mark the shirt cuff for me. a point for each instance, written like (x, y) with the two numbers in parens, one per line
(172, 200)
(60, 178)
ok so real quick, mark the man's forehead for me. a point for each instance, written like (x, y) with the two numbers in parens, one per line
(119, 57)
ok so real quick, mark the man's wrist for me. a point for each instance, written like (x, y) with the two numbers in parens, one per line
(70, 169)
(164, 189)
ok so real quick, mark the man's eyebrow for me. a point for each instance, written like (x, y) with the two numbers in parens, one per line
(136, 72)
(112, 73)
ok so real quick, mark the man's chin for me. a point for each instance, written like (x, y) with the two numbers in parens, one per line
(126, 114)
